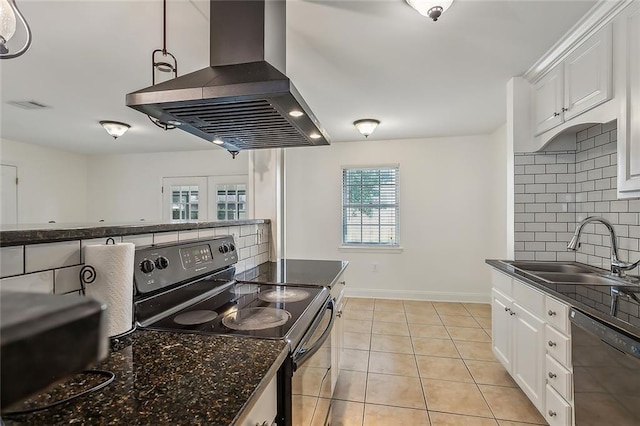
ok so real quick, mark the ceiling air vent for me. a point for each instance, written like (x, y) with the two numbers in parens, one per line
(28, 104)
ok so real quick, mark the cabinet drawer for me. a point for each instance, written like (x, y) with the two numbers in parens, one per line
(558, 377)
(558, 346)
(528, 297)
(558, 411)
(501, 282)
(557, 314)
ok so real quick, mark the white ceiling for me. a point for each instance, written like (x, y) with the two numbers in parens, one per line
(349, 59)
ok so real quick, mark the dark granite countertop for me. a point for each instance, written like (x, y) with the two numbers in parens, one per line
(13, 235)
(296, 271)
(173, 378)
(594, 300)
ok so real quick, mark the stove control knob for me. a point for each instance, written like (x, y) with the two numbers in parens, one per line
(232, 247)
(221, 249)
(162, 262)
(147, 266)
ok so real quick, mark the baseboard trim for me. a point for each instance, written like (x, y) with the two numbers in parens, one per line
(437, 296)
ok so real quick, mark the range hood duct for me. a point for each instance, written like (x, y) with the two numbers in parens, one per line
(244, 98)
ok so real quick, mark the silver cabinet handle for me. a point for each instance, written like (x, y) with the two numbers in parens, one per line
(339, 314)
(506, 309)
(565, 109)
(342, 282)
(552, 413)
(551, 313)
(552, 375)
(511, 312)
(555, 114)
(552, 344)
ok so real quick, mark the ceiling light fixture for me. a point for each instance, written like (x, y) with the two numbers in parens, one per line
(10, 16)
(218, 141)
(115, 128)
(430, 8)
(366, 126)
(315, 136)
(296, 113)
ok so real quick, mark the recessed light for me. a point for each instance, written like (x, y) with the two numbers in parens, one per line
(315, 136)
(174, 123)
(218, 141)
(296, 113)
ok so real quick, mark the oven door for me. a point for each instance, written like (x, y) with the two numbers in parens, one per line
(311, 382)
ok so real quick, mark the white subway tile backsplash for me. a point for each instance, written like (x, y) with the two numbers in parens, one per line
(524, 179)
(11, 261)
(520, 160)
(61, 263)
(39, 257)
(66, 280)
(221, 231)
(165, 237)
(590, 178)
(139, 240)
(206, 233)
(189, 235)
(40, 282)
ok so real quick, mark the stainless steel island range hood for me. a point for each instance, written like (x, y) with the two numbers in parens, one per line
(243, 100)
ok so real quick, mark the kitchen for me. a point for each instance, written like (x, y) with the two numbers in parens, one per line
(474, 216)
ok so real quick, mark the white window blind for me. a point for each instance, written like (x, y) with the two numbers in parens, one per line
(370, 206)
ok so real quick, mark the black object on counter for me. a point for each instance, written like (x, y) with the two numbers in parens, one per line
(44, 338)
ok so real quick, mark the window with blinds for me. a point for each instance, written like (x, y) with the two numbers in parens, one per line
(370, 206)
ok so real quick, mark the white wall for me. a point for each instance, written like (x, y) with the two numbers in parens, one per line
(452, 202)
(127, 187)
(52, 183)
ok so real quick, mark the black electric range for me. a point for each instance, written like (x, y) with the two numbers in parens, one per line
(191, 287)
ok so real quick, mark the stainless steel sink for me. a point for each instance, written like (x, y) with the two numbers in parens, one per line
(587, 279)
(562, 267)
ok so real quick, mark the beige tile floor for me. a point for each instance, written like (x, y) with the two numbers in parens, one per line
(424, 363)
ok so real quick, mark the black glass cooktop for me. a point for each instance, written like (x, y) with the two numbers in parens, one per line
(264, 311)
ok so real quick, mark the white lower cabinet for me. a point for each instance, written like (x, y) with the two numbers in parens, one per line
(501, 328)
(337, 333)
(265, 409)
(530, 347)
(528, 360)
(518, 340)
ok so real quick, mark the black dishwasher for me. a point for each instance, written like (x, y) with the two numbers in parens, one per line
(606, 370)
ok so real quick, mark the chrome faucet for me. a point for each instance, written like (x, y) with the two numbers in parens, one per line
(618, 267)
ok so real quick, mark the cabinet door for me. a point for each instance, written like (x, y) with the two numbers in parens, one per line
(547, 101)
(587, 74)
(501, 328)
(629, 124)
(528, 357)
(337, 333)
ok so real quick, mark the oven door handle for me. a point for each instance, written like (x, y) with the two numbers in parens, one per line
(301, 355)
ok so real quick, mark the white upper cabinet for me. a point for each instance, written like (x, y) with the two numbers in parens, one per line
(582, 81)
(628, 50)
(548, 96)
(587, 75)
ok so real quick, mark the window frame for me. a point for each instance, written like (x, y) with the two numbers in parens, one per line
(365, 246)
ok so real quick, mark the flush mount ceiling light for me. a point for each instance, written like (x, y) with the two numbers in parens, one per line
(12, 22)
(115, 128)
(430, 8)
(218, 141)
(366, 126)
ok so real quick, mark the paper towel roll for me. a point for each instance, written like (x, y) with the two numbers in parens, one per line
(114, 283)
